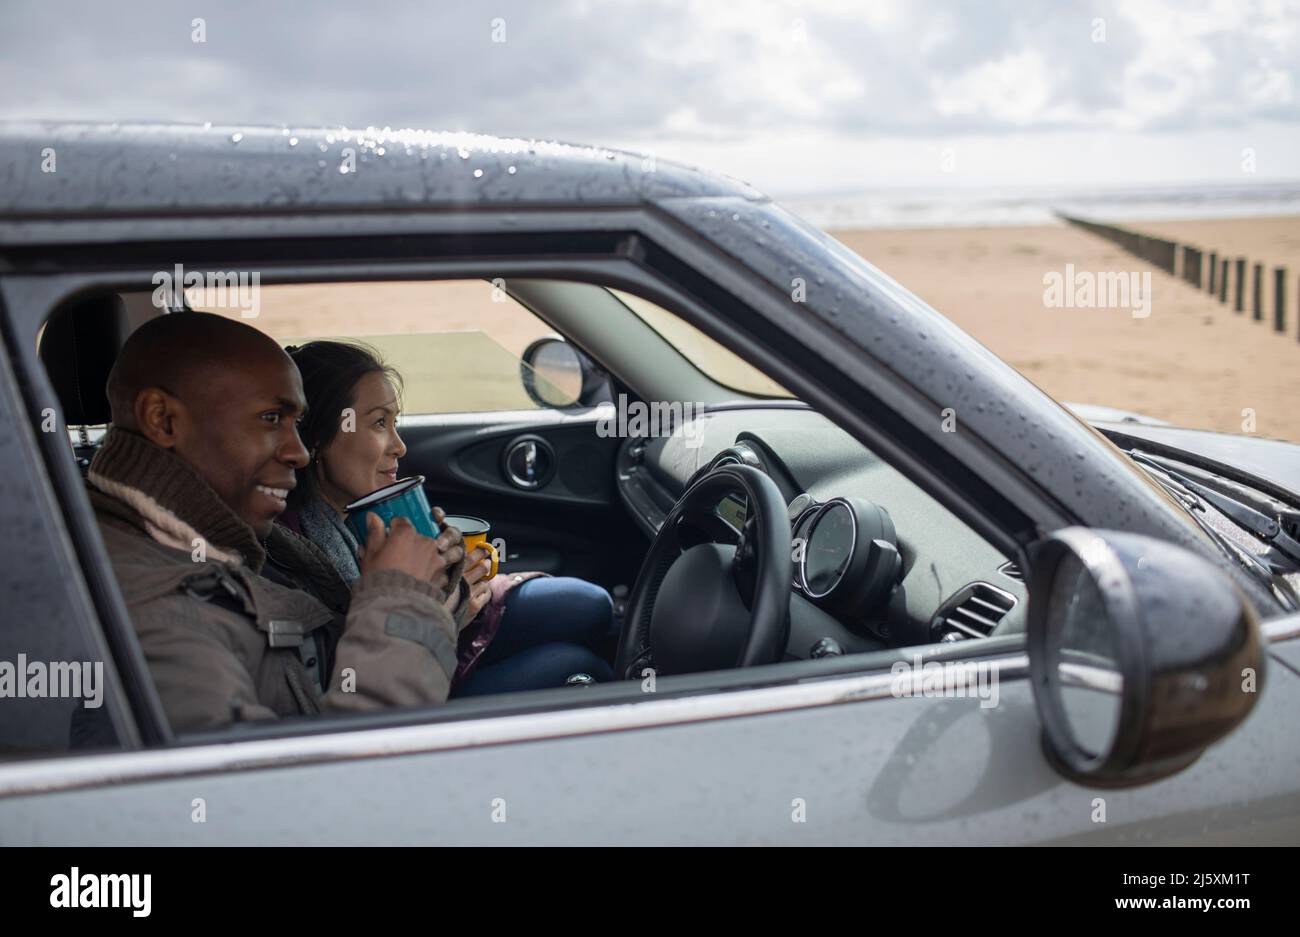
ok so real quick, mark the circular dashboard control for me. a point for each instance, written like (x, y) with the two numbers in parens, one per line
(831, 541)
(800, 504)
(851, 561)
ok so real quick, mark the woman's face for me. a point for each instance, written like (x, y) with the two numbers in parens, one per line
(363, 455)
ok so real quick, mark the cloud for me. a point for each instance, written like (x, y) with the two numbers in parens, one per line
(668, 75)
(636, 70)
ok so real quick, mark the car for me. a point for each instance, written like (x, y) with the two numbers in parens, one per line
(874, 586)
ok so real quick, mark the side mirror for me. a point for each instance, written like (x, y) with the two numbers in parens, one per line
(1141, 654)
(555, 374)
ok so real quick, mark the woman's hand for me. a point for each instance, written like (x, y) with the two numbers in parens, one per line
(477, 565)
(480, 594)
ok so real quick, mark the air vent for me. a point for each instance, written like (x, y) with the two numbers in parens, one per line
(1012, 571)
(973, 612)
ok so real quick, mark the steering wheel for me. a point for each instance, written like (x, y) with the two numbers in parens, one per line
(701, 605)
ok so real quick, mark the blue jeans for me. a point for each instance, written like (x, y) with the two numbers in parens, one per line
(546, 631)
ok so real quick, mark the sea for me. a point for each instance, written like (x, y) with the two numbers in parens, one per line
(977, 207)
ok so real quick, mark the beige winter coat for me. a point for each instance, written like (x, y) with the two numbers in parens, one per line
(225, 644)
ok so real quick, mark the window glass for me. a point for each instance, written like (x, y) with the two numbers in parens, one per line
(458, 344)
(717, 363)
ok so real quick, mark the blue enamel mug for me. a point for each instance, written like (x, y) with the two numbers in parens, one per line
(403, 498)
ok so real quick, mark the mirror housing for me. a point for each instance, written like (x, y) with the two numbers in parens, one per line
(557, 375)
(1182, 644)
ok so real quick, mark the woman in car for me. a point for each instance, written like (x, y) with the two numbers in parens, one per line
(518, 632)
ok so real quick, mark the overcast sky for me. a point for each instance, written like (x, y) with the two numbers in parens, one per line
(796, 97)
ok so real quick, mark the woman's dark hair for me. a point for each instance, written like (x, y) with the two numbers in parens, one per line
(330, 374)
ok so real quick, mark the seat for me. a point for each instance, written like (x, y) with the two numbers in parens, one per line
(78, 347)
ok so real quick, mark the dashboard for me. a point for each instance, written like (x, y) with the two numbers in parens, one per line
(877, 562)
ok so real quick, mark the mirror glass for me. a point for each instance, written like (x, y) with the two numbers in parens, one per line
(1082, 655)
(556, 373)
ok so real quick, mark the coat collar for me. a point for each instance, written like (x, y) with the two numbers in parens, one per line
(168, 500)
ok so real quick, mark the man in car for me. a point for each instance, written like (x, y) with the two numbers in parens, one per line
(186, 487)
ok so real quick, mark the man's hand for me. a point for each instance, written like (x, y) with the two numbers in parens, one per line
(403, 548)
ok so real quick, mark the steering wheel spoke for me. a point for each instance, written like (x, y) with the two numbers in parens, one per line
(744, 565)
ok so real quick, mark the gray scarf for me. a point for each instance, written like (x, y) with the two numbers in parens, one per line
(322, 525)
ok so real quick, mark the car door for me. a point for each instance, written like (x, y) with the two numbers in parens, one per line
(837, 761)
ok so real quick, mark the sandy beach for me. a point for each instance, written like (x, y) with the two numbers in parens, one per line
(1192, 361)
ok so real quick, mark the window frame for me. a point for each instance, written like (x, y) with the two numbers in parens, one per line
(624, 250)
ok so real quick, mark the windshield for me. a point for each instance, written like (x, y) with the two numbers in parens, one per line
(717, 363)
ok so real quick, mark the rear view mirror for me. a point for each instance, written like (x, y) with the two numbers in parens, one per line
(1141, 655)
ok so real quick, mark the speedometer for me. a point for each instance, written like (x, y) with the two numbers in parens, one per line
(851, 561)
(802, 512)
(829, 549)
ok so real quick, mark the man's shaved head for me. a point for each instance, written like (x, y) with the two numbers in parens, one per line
(223, 397)
(179, 353)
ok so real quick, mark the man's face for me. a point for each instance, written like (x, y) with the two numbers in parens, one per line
(239, 431)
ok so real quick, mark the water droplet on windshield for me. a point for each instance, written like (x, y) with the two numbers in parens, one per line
(236, 137)
(478, 174)
(293, 141)
(511, 170)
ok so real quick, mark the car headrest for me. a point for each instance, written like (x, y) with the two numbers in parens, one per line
(78, 347)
